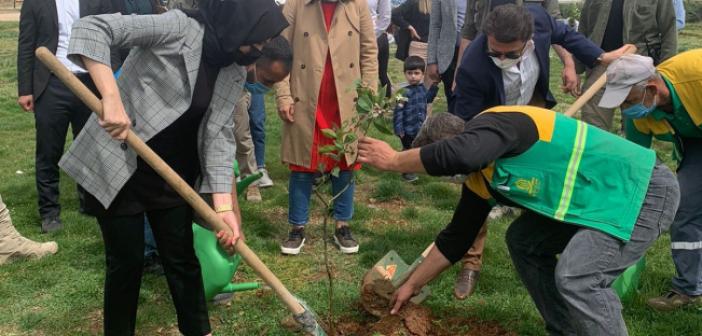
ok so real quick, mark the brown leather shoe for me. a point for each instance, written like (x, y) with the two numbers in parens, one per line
(465, 283)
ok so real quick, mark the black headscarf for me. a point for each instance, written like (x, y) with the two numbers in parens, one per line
(230, 24)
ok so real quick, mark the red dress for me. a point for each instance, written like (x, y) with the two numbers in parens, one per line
(327, 114)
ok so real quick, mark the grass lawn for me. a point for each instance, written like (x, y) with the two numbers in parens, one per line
(62, 295)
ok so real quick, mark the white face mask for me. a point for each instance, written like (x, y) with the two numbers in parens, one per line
(507, 63)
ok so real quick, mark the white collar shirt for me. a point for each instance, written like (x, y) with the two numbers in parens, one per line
(68, 12)
(520, 80)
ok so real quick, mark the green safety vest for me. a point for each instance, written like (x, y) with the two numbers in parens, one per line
(575, 173)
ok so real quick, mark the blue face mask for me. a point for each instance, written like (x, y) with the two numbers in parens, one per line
(639, 110)
(256, 88)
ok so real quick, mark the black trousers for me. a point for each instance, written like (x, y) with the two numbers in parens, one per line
(407, 141)
(383, 59)
(447, 78)
(124, 254)
(54, 111)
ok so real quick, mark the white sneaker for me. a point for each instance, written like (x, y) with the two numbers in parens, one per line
(265, 180)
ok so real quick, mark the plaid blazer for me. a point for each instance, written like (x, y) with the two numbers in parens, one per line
(156, 86)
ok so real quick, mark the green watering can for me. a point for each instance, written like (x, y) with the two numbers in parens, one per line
(627, 283)
(217, 266)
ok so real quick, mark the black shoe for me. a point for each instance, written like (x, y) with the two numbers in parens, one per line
(51, 224)
(410, 177)
(296, 240)
(345, 241)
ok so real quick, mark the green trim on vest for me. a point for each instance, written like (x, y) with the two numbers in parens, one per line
(581, 175)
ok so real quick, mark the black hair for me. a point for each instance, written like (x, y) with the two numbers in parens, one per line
(277, 50)
(414, 63)
(509, 23)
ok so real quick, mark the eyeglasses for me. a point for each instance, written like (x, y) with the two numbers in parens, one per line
(510, 54)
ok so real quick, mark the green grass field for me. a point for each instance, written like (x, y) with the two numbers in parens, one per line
(62, 295)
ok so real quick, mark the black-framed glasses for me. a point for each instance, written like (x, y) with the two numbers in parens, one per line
(509, 55)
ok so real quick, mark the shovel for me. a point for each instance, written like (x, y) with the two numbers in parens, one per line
(592, 90)
(304, 316)
(386, 276)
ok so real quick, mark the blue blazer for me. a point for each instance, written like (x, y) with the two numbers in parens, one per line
(479, 84)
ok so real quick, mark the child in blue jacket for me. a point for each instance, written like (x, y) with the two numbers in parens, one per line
(410, 115)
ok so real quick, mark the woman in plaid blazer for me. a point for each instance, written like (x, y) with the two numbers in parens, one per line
(177, 91)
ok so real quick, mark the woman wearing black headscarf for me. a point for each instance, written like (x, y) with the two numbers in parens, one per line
(177, 91)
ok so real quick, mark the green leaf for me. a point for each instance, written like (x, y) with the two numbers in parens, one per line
(380, 96)
(335, 171)
(329, 133)
(381, 125)
(364, 104)
(327, 149)
(320, 167)
(350, 138)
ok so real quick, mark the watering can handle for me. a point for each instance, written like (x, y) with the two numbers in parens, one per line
(401, 280)
(172, 178)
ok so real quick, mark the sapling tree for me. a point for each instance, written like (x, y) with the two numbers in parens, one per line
(373, 109)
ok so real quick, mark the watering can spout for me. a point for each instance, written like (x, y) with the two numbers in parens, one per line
(246, 181)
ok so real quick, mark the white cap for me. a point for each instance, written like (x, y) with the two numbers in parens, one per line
(622, 75)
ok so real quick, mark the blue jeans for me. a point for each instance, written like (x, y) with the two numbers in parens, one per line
(149, 240)
(257, 120)
(300, 187)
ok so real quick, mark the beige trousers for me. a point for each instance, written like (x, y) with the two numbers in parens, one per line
(591, 113)
(13, 245)
(245, 155)
(473, 259)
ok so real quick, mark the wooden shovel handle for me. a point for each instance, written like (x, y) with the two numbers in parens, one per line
(172, 178)
(592, 90)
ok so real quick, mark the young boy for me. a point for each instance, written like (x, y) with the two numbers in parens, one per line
(409, 116)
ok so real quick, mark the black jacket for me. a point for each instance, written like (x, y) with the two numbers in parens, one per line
(38, 27)
(406, 15)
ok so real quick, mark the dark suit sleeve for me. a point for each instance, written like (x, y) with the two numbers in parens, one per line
(577, 44)
(472, 88)
(399, 13)
(26, 44)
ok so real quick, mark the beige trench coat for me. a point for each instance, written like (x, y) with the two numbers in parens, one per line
(354, 55)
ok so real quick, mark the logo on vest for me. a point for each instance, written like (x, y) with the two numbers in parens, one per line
(530, 187)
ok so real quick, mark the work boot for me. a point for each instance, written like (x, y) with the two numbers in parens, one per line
(345, 241)
(253, 194)
(673, 300)
(296, 240)
(265, 180)
(51, 224)
(466, 281)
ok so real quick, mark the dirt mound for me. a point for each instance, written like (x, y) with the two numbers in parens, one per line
(400, 326)
(412, 320)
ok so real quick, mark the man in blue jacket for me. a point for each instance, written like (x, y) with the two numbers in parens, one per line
(509, 63)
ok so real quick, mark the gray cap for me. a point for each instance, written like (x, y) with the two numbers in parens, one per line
(622, 75)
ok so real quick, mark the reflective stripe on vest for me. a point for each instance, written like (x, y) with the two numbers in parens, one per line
(573, 164)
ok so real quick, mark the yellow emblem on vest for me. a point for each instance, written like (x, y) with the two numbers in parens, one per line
(531, 187)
